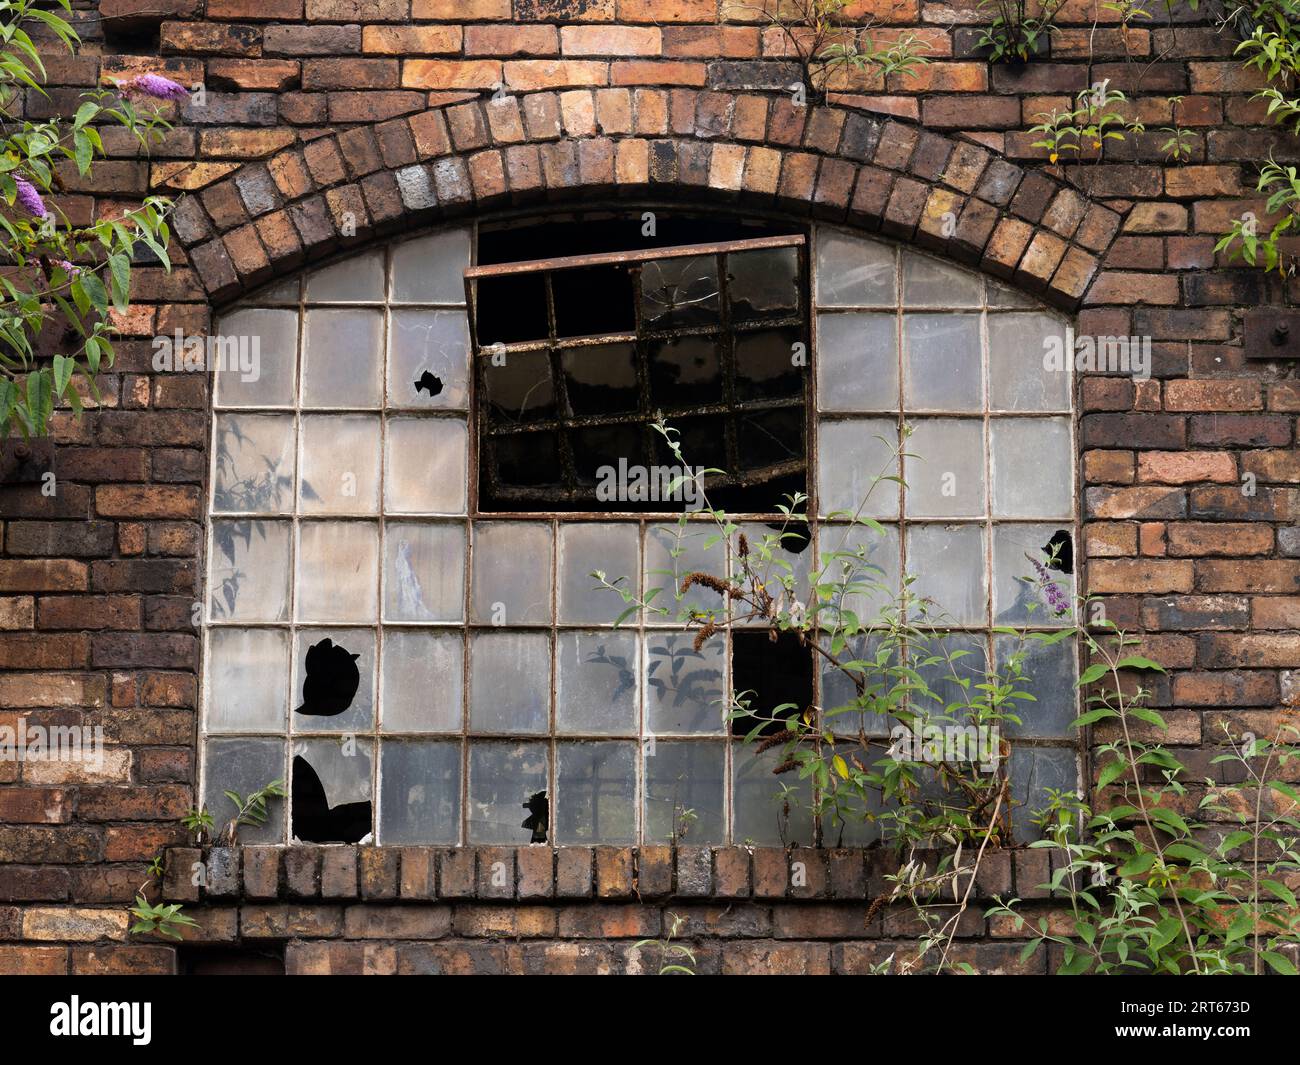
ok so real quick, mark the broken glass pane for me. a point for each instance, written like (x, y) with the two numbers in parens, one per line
(428, 359)
(674, 551)
(593, 301)
(585, 548)
(523, 460)
(1022, 375)
(765, 815)
(511, 309)
(944, 468)
(772, 679)
(768, 363)
(597, 452)
(1024, 557)
(595, 785)
(941, 359)
(508, 790)
(247, 674)
(930, 283)
(1035, 771)
(685, 689)
(357, 279)
(255, 354)
(853, 272)
(763, 284)
(1031, 463)
(601, 379)
(703, 442)
(769, 438)
(244, 766)
(338, 563)
(426, 466)
(343, 358)
(596, 686)
(340, 464)
(948, 562)
(1050, 672)
(680, 292)
(858, 362)
(253, 472)
(510, 682)
(780, 559)
(518, 386)
(424, 572)
(512, 573)
(685, 372)
(419, 794)
(422, 681)
(684, 792)
(333, 680)
(248, 572)
(431, 269)
(853, 455)
(331, 790)
(863, 564)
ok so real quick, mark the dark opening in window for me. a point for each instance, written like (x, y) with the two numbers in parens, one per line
(768, 674)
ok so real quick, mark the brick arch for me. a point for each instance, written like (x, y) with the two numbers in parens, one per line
(952, 196)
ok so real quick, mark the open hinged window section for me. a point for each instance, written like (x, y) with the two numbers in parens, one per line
(576, 358)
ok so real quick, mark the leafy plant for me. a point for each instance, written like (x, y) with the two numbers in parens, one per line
(199, 824)
(1244, 240)
(250, 810)
(1018, 28)
(670, 950)
(166, 919)
(1179, 145)
(1086, 127)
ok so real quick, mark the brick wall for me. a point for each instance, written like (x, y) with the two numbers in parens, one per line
(380, 109)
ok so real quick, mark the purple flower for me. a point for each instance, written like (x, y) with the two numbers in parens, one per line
(67, 267)
(1056, 599)
(29, 198)
(155, 85)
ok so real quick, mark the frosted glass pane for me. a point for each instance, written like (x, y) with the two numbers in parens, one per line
(671, 552)
(1035, 770)
(512, 573)
(248, 573)
(857, 362)
(278, 294)
(343, 353)
(431, 269)
(427, 467)
(941, 357)
(852, 272)
(683, 792)
(611, 549)
(839, 691)
(852, 456)
(333, 680)
(419, 792)
(357, 279)
(945, 661)
(685, 689)
(1019, 597)
(503, 779)
(1003, 297)
(424, 572)
(596, 683)
(930, 283)
(338, 567)
(330, 791)
(758, 804)
(247, 674)
(428, 359)
(423, 681)
(510, 682)
(1019, 345)
(595, 788)
(863, 565)
(944, 468)
(948, 562)
(340, 464)
(253, 472)
(1032, 464)
(264, 346)
(244, 766)
(1050, 671)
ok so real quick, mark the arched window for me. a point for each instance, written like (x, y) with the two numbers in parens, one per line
(421, 452)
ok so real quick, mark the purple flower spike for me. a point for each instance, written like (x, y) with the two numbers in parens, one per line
(67, 267)
(29, 198)
(1057, 602)
(157, 86)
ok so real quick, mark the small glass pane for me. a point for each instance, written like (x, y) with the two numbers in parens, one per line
(941, 353)
(340, 464)
(952, 665)
(852, 456)
(248, 571)
(1002, 297)
(839, 693)
(766, 439)
(423, 681)
(595, 787)
(1050, 671)
(508, 786)
(432, 269)
(518, 388)
(338, 567)
(343, 358)
(685, 688)
(764, 815)
(944, 468)
(770, 363)
(244, 766)
(1023, 373)
(511, 309)
(510, 682)
(333, 680)
(331, 790)
(685, 372)
(672, 552)
(426, 466)
(684, 792)
(863, 564)
(780, 558)
(857, 365)
(512, 573)
(948, 562)
(247, 674)
(596, 683)
(428, 359)
(424, 572)
(852, 272)
(419, 795)
(1032, 463)
(1026, 560)
(930, 283)
(1035, 771)
(601, 379)
(586, 549)
(680, 292)
(763, 284)
(356, 279)
(278, 294)
(253, 472)
(255, 357)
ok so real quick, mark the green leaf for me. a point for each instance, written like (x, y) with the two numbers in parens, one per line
(119, 266)
(63, 367)
(1279, 963)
